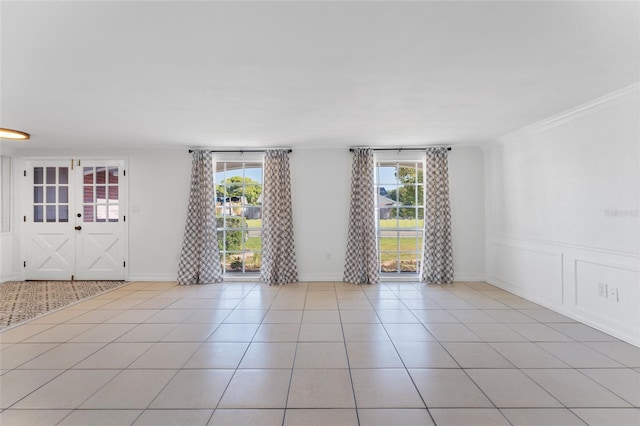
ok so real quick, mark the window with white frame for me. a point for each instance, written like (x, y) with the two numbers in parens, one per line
(238, 186)
(399, 188)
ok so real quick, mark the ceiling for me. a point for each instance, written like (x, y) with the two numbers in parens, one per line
(86, 74)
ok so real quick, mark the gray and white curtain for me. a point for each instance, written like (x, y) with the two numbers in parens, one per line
(437, 265)
(200, 255)
(278, 250)
(361, 262)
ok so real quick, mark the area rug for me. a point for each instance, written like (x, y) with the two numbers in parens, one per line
(24, 300)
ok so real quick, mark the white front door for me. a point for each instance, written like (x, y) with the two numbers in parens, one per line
(50, 238)
(75, 223)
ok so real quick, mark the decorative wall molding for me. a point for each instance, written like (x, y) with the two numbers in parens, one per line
(623, 95)
(534, 267)
(525, 241)
(620, 330)
(580, 272)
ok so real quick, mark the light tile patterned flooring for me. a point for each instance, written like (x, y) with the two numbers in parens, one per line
(314, 354)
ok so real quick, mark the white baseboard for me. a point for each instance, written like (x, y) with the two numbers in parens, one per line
(315, 277)
(615, 329)
(320, 277)
(151, 277)
(304, 277)
(469, 276)
(9, 277)
(567, 278)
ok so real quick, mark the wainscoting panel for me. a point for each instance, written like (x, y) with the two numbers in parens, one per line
(596, 286)
(527, 267)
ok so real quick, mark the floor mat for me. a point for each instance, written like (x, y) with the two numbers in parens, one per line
(24, 300)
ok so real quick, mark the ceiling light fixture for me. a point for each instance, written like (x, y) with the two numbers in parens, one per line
(14, 134)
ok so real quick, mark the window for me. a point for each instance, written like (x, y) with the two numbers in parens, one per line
(400, 212)
(239, 215)
(51, 194)
(100, 198)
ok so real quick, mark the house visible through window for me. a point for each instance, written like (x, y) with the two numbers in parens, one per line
(239, 215)
(399, 190)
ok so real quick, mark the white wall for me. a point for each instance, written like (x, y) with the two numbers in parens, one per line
(158, 196)
(7, 239)
(562, 200)
(320, 196)
(466, 187)
(7, 268)
(158, 190)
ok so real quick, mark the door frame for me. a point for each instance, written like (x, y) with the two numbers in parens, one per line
(24, 203)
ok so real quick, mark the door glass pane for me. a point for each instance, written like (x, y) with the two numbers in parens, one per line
(388, 261)
(113, 213)
(386, 174)
(238, 187)
(51, 175)
(51, 194)
(101, 193)
(87, 212)
(38, 196)
(88, 194)
(51, 213)
(234, 262)
(407, 217)
(408, 262)
(220, 238)
(63, 194)
(382, 233)
(38, 175)
(88, 175)
(113, 175)
(64, 175)
(252, 194)
(389, 243)
(37, 214)
(253, 172)
(101, 213)
(400, 213)
(254, 216)
(101, 175)
(113, 193)
(63, 213)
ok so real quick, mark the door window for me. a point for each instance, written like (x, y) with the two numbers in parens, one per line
(239, 215)
(400, 211)
(51, 194)
(100, 197)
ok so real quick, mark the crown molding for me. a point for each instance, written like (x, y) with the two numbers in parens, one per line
(615, 98)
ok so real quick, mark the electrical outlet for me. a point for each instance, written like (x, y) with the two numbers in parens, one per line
(613, 294)
(602, 290)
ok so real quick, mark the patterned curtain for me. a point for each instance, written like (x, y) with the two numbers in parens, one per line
(200, 256)
(278, 251)
(361, 262)
(437, 265)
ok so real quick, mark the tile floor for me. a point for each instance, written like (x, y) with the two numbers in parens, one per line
(314, 354)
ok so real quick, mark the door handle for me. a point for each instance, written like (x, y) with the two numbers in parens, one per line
(77, 228)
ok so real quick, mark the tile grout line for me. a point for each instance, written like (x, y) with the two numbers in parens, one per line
(295, 354)
(346, 352)
(404, 365)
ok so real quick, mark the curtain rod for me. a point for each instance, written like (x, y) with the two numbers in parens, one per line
(399, 149)
(241, 151)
